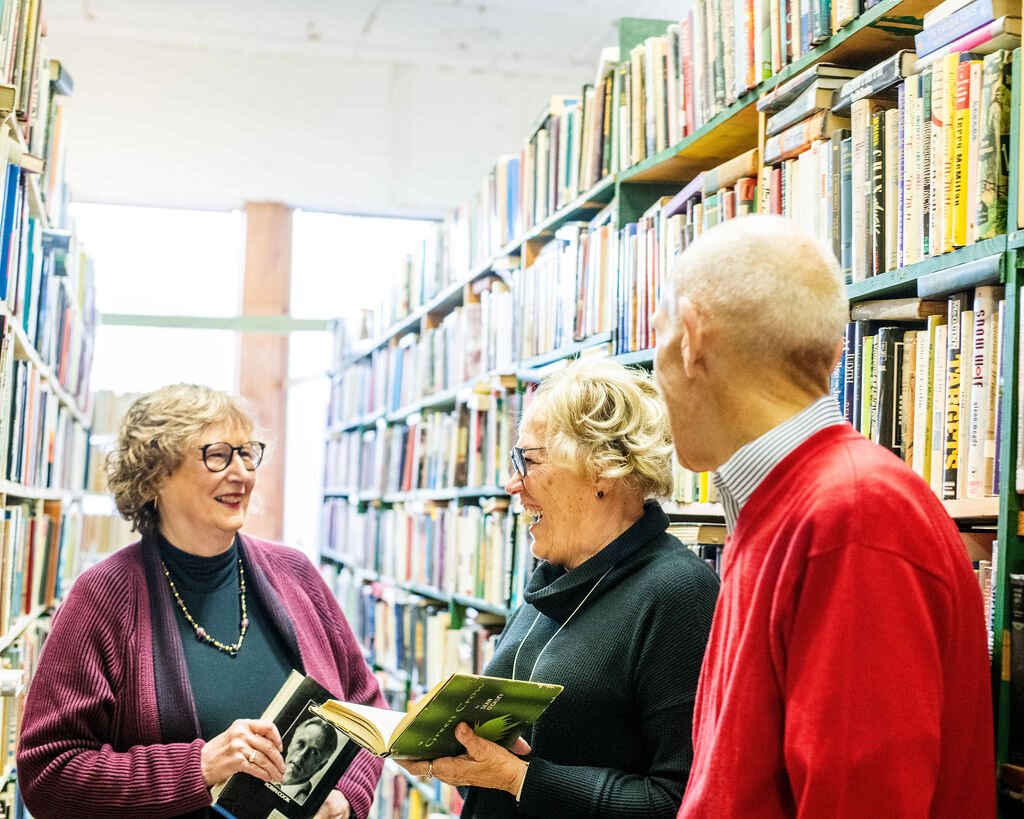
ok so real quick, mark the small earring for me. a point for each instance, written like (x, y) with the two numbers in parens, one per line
(600, 493)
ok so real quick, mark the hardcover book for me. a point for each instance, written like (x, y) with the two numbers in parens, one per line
(316, 754)
(497, 709)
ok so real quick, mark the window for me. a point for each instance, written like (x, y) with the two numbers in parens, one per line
(340, 265)
(160, 261)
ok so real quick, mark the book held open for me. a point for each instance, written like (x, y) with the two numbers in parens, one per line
(496, 709)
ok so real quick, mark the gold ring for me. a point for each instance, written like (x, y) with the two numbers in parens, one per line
(252, 756)
(430, 769)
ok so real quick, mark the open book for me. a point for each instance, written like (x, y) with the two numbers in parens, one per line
(315, 756)
(495, 708)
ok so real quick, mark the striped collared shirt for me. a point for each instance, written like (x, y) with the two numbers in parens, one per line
(738, 477)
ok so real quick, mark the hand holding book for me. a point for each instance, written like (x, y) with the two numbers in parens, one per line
(251, 746)
(485, 764)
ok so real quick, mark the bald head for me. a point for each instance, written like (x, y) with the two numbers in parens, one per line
(770, 292)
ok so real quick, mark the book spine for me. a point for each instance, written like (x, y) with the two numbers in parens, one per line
(871, 83)
(981, 449)
(910, 175)
(951, 464)
(893, 178)
(938, 404)
(949, 152)
(877, 221)
(846, 208)
(936, 158)
(965, 20)
(961, 155)
(924, 163)
(992, 186)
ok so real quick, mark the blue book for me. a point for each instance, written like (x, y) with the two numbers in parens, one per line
(10, 196)
(962, 21)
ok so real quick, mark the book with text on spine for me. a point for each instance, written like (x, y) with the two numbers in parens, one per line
(315, 755)
(496, 709)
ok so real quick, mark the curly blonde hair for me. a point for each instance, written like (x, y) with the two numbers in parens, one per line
(606, 421)
(156, 432)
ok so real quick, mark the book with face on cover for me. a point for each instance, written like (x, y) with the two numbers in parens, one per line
(496, 709)
(315, 755)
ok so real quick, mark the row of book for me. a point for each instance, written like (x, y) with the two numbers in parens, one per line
(467, 447)
(471, 341)
(42, 444)
(20, 662)
(930, 387)
(474, 551)
(407, 636)
(908, 165)
(39, 543)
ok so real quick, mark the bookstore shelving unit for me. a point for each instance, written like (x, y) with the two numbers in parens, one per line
(47, 322)
(357, 433)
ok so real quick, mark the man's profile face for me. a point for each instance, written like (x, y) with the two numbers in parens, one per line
(307, 751)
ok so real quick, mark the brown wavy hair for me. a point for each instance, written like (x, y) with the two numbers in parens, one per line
(156, 432)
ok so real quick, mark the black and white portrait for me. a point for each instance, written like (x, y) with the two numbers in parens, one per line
(310, 746)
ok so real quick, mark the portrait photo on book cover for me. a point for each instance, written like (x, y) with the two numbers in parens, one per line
(310, 746)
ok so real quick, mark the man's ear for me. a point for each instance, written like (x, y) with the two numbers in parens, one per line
(691, 343)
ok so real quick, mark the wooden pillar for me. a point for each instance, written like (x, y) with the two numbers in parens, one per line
(263, 369)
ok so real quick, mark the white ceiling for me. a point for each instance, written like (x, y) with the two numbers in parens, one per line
(381, 106)
(522, 36)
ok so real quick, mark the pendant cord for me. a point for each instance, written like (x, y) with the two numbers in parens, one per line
(515, 659)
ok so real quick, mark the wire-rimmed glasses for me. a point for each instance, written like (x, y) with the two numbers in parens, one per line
(516, 454)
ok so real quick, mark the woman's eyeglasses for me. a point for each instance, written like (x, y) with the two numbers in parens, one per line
(217, 456)
(519, 459)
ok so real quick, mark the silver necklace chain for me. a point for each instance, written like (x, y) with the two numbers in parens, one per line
(515, 659)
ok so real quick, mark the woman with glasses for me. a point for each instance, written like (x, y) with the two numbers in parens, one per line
(618, 611)
(163, 654)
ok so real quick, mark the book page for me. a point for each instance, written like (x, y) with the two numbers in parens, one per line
(373, 721)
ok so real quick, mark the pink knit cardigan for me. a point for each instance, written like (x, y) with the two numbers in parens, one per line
(110, 727)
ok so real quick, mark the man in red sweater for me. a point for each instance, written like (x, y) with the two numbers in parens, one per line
(847, 672)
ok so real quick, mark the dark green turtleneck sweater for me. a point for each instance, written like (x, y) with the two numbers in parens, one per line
(225, 688)
(616, 742)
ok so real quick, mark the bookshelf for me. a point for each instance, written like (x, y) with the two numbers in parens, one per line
(47, 327)
(480, 249)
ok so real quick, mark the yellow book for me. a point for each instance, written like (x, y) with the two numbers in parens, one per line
(961, 152)
(949, 70)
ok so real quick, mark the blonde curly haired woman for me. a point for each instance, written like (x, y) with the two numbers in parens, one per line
(162, 653)
(618, 611)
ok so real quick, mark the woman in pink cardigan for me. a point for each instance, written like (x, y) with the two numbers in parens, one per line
(162, 654)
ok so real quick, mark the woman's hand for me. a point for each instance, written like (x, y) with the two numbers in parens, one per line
(336, 807)
(252, 746)
(484, 765)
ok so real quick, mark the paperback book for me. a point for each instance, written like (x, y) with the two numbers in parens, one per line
(496, 709)
(316, 754)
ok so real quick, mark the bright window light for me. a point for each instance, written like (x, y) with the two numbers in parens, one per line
(164, 261)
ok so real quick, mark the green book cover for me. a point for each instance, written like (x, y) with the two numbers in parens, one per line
(496, 709)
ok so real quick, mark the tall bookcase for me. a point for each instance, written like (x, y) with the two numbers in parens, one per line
(47, 323)
(509, 291)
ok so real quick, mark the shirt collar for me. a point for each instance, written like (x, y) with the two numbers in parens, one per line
(739, 476)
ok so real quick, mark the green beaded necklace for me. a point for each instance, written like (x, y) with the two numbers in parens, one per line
(201, 633)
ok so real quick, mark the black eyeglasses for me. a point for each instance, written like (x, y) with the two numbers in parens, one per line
(519, 459)
(217, 456)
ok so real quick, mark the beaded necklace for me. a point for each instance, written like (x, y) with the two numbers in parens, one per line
(201, 633)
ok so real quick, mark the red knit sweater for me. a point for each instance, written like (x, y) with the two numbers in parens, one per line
(110, 727)
(847, 672)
